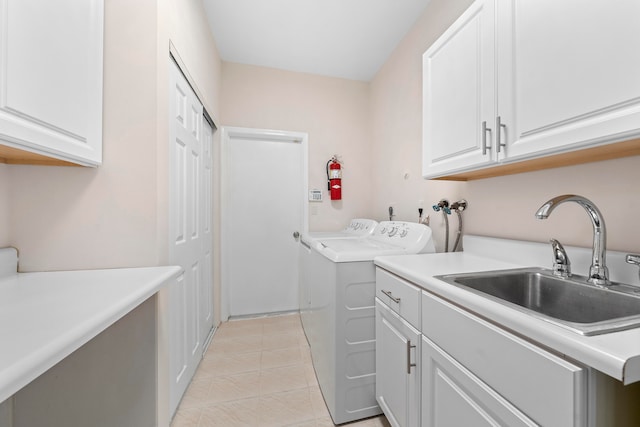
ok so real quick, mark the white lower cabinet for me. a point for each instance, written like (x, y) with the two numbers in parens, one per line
(397, 368)
(455, 369)
(495, 376)
(453, 396)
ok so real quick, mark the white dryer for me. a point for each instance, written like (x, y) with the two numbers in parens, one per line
(340, 321)
(357, 227)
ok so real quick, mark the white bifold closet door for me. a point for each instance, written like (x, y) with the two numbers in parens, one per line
(190, 245)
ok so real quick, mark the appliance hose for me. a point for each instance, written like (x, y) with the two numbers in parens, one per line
(446, 226)
(455, 246)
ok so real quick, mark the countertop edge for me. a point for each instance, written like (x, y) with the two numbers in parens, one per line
(32, 366)
(608, 353)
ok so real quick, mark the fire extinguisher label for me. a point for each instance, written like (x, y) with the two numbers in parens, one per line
(335, 186)
(335, 174)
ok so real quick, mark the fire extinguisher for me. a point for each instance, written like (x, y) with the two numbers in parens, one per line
(334, 178)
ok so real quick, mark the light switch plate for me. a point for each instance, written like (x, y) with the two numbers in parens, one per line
(315, 195)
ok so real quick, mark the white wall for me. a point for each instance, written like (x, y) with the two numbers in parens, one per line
(503, 206)
(334, 112)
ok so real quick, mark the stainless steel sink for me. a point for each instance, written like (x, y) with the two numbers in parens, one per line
(571, 303)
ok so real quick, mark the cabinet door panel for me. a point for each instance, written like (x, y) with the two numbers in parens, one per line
(397, 383)
(569, 73)
(458, 93)
(452, 396)
(51, 77)
(547, 388)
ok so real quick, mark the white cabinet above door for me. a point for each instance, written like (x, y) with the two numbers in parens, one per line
(51, 78)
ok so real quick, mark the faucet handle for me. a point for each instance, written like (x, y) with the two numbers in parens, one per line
(634, 259)
(561, 263)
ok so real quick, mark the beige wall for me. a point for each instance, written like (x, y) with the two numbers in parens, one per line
(501, 207)
(74, 218)
(116, 215)
(4, 206)
(334, 112)
(396, 118)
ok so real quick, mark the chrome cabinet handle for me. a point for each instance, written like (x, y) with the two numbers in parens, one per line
(499, 127)
(390, 295)
(409, 364)
(485, 129)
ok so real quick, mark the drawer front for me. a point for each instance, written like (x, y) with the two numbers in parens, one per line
(401, 296)
(548, 389)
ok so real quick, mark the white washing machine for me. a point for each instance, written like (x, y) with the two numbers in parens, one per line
(340, 321)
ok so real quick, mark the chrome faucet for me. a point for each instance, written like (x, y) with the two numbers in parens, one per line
(598, 272)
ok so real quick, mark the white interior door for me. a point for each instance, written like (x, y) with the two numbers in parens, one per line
(190, 305)
(264, 204)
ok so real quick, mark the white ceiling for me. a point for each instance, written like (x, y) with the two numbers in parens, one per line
(341, 38)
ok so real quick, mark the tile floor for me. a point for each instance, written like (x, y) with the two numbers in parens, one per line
(258, 372)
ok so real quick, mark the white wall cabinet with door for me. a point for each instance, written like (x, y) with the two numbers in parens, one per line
(459, 104)
(554, 88)
(191, 304)
(51, 81)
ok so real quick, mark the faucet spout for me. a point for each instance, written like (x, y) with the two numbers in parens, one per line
(598, 272)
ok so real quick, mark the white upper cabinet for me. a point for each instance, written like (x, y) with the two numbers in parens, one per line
(51, 78)
(542, 78)
(459, 94)
(568, 74)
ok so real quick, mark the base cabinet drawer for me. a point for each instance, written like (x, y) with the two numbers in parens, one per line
(400, 295)
(546, 388)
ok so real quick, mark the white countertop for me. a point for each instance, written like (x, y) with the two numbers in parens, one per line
(46, 316)
(615, 354)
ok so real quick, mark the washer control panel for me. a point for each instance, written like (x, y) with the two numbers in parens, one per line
(360, 226)
(402, 233)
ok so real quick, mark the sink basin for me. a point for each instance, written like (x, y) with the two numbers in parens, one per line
(571, 303)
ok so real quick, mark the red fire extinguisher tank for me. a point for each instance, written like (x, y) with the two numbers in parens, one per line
(334, 178)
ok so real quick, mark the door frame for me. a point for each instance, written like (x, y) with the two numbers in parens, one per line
(229, 133)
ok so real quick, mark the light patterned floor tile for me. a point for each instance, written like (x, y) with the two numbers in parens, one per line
(196, 394)
(234, 387)
(187, 417)
(237, 413)
(281, 409)
(258, 373)
(229, 364)
(280, 340)
(281, 357)
(234, 345)
(282, 379)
